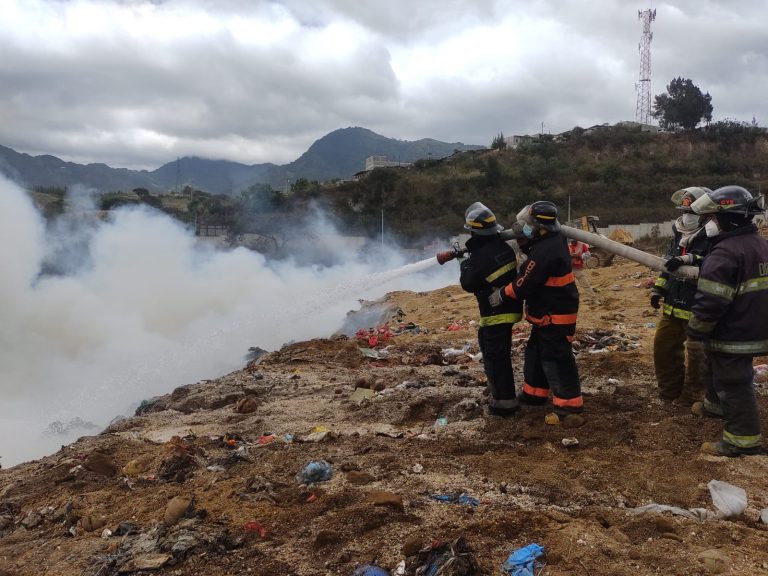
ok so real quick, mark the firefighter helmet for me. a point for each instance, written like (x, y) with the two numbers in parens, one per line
(684, 197)
(541, 214)
(733, 200)
(480, 220)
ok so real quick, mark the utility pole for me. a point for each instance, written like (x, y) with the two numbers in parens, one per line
(643, 87)
(382, 227)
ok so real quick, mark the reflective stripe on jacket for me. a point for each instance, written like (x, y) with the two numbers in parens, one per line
(730, 310)
(491, 264)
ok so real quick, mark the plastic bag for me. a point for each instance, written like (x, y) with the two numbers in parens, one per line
(730, 500)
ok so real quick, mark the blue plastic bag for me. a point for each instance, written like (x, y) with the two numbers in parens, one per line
(315, 471)
(522, 562)
(462, 498)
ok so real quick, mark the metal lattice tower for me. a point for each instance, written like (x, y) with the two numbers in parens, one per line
(643, 113)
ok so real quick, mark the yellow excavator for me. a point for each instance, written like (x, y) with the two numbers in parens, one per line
(599, 256)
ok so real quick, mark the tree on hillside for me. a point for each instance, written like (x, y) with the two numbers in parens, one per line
(499, 143)
(683, 106)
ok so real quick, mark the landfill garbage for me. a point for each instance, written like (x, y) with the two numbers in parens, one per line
(462, 498)
(375, 354)
(650, 325)
(570, 442)
(216, 468)
(453, 326)
(552, 419)
(254, 526)
(614, 381)
(764, 515)
(106, 533)
(311, 498)
(447, 559)
(442, 421)
(370, 570)
(522, 562)
(417, 468)
(315, 471)
(453, 352)
(729, 500)
(266, 439)
(400, 570)
(288, 438)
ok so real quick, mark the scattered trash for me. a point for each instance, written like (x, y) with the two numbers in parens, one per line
(614, 381)
(375, 354)
(453, 326)
(106, 533)
(449, 558)
(288, 438)
(374, 336)
(570, 442)
(441, 421)
(650, 325)
(462, 498)
(254, 526)
(370, 571)
(417, 468)
(315, 471)
(400, 570)
(522, 562)
(603, 340)
(216, 468)
(361, 394)
(453, 352)
(266, 439)
(311, 498)
(729, 500)
(552, 419)
(764, 515)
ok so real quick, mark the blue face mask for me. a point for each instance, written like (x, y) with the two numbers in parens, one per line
(527, 231)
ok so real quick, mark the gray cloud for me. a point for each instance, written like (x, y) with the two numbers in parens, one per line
(137, 83)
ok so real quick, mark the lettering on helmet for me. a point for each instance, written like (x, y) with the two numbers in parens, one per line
(727, 202)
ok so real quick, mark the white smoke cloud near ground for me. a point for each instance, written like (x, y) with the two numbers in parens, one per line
(147, 310)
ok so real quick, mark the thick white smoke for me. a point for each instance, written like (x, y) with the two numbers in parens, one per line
(141, 309)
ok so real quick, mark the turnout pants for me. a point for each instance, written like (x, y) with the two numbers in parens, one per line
(496, 345)
(550, 366)
(676, 378)
(731, 394)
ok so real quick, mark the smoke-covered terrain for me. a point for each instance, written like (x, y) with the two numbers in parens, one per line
(100, 314)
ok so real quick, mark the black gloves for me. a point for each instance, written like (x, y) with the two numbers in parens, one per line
(674, 263)
(655, 299)
(497, 297)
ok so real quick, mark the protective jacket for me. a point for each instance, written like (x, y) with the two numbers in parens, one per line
(546, 282)
(731, 303)
(678, 294)
(491, 264)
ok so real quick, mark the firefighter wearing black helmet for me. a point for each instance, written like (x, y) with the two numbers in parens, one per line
(547, 285)
(729, 315)
(491, 263)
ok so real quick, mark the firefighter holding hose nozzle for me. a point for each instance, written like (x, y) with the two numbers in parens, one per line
(547, 285)
(491, 264)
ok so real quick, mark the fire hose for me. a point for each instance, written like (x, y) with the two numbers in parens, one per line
(653, 262)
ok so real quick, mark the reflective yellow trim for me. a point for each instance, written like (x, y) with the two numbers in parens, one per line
(754, 347)
(742, 441)
(700, 326)
(490, 219)
(753, 285)
(670, 310)
(500, 272)
(661, 282)
(510, 318)
(716, 289)
(546, 217)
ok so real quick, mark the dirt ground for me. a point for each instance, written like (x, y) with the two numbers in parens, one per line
(422, 433)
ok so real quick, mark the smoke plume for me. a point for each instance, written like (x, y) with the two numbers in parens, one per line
(100, 314)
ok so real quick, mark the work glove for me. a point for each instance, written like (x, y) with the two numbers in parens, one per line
(674, 263)
(655, 300)
(497, 297)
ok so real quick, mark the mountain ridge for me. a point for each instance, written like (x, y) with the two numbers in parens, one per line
(337, 155)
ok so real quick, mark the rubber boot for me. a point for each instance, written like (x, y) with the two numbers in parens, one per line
(721, 448)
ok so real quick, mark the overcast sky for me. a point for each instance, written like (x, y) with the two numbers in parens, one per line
(136, 83)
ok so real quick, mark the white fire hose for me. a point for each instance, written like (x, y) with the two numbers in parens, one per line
(654, 262)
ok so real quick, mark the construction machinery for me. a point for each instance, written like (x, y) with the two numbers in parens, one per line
(599, 257)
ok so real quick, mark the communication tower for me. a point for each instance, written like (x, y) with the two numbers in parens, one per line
(643, 87)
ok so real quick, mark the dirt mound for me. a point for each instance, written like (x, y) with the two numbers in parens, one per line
(196, 483)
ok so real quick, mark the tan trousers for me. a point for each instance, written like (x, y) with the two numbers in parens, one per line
(676, 378)
(582, 279)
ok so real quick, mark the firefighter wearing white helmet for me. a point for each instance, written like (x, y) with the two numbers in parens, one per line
(678, 360)
(729, 316)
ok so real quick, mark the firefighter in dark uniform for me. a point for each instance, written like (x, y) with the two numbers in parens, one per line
(730, 313)
(491, 263)
(678, 380)
(547, 285)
